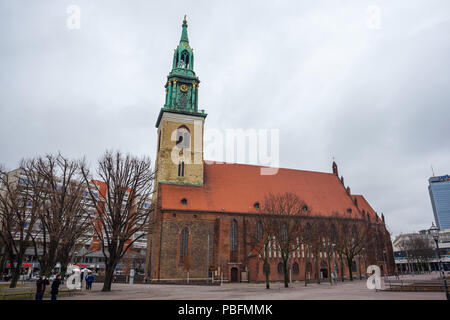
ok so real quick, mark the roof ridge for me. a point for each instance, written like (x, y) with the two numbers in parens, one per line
(212, 162)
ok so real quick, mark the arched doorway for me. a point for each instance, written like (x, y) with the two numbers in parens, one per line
(234, 274)
(323, 270)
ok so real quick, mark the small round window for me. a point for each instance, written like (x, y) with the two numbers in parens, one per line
(184, 201)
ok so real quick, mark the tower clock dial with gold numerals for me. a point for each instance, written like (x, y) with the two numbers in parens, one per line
(184, 88)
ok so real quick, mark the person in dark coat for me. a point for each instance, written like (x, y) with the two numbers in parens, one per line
(89, 279)
(55, 287)
(41, 283)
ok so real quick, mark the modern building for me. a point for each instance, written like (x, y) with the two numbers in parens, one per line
(204, 209)
(439, 188)
(409, 258)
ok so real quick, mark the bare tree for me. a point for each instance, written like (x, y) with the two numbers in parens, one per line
(123, 203)
(259, 238)
(2, 253)
(310, 238)
(423, 251)
(286, 212)
(63, 208)
(17, 218)
(328, 230)
(352, 237)
(419, 251)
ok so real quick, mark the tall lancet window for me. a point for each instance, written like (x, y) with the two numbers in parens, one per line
(184, 243)
(181, 169)
(233, 241)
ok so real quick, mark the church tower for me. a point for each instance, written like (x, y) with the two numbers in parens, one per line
(179, 158)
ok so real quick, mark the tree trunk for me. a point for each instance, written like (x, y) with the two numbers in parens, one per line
(329, 267)
(349, 262)
(109, 275)
(63, 271)
(2, 263)
(342, 268)
(15, 275)
(286, 275)
(266, 266)
(16, 270)
(359, 268)
(306, 272)
(317, 267)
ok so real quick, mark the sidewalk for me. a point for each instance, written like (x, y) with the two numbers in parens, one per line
(349, 290)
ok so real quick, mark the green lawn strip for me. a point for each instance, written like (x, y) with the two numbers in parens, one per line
(29, 294)
(19, 285)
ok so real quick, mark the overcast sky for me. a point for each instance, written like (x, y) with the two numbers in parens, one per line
(365, 82)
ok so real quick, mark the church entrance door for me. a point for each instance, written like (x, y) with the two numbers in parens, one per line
(234, 274)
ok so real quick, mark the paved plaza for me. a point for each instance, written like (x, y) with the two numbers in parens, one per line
(348, 290)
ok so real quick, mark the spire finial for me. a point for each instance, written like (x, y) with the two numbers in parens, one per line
(184, 36)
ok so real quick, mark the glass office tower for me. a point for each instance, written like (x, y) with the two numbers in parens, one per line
(439, 188)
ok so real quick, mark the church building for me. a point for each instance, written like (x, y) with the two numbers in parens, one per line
(203, 210)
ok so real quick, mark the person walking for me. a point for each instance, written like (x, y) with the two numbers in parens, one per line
(41, 283)
(55, 287)
(89, 279)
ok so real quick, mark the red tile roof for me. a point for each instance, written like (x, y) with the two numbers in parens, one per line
(236, 187)
(364, 205)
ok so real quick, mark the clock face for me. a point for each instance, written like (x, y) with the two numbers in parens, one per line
(184, 88)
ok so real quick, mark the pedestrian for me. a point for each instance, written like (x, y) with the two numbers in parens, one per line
(41, 283)
(55, 287)
(89, 279)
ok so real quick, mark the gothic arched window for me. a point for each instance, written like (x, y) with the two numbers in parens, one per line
(233, 240)
(280, 268)
(259, 230)
(184, 61)
(295, 268)
(184, 242)
(266, 267)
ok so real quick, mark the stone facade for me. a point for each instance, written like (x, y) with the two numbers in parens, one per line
(169, 155)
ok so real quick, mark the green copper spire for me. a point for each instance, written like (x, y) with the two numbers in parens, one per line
(184, 34)
(182, 83)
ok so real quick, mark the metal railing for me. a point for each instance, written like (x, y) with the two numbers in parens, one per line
(415, 285)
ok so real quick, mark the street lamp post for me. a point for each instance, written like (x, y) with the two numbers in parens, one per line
(434, 232)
